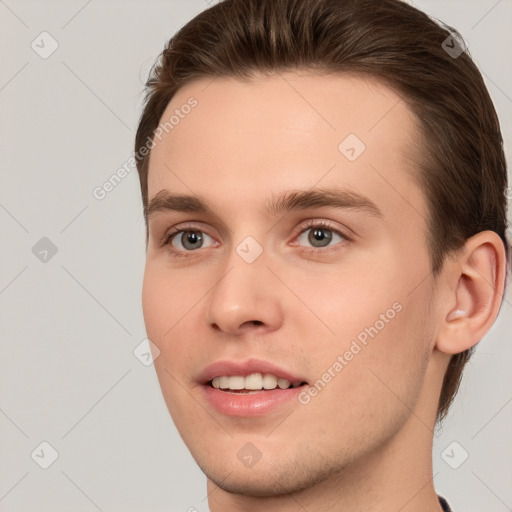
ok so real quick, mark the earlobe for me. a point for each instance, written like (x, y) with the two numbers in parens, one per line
(476, 284)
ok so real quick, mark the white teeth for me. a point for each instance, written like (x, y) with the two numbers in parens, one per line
(283, 383)
(269, 381)
(254, 381)
(236, 382)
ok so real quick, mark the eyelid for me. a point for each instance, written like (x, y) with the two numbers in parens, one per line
(328, 249)
(166, 241)
(187, 226)
(326, 224)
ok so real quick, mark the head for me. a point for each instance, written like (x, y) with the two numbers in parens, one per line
(274, 100)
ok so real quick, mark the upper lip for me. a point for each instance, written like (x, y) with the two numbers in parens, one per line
(243, 368)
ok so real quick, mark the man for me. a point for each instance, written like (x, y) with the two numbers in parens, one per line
(323, 184)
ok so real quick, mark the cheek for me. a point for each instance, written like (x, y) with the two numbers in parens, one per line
(378, 335)
(171, 303)
(367, 390)
(164, 308)
(155, 295)
(167, 297)
(345, 300)
(165, 304)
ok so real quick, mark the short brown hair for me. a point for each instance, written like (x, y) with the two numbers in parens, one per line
(462, 169)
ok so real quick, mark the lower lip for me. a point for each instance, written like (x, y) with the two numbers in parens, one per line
(250, 404)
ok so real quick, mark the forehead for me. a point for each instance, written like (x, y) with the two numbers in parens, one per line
(298, 129)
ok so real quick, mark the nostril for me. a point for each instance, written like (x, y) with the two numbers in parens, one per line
(257, 322)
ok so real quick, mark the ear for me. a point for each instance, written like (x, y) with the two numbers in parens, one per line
(474, 293)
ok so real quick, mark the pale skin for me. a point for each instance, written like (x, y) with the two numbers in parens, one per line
(364, 443)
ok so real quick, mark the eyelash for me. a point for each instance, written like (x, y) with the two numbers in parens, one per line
(169, 237)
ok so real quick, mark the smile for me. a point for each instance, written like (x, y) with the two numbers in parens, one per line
(252, 387)
(252, 383)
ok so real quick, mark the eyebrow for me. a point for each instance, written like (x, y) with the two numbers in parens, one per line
(291, 200)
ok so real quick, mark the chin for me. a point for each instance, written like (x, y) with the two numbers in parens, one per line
(270, 479)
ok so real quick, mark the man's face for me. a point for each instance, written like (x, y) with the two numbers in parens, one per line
(336, 297)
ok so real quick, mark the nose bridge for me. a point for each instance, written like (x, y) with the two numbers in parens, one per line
(246, 292)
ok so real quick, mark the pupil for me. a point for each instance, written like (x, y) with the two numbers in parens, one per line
(320, 235)
(191, 239)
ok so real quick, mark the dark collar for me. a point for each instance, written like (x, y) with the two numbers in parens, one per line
(444, 504)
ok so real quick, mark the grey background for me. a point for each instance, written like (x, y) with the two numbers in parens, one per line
(68, 375)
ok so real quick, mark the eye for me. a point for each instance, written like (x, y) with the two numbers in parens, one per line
(320, 234)
(316, 234)
(186, 240)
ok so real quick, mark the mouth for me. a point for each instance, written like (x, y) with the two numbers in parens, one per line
(249, 388)
(252, 383)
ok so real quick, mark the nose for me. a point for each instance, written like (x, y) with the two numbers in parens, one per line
(245, 298)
